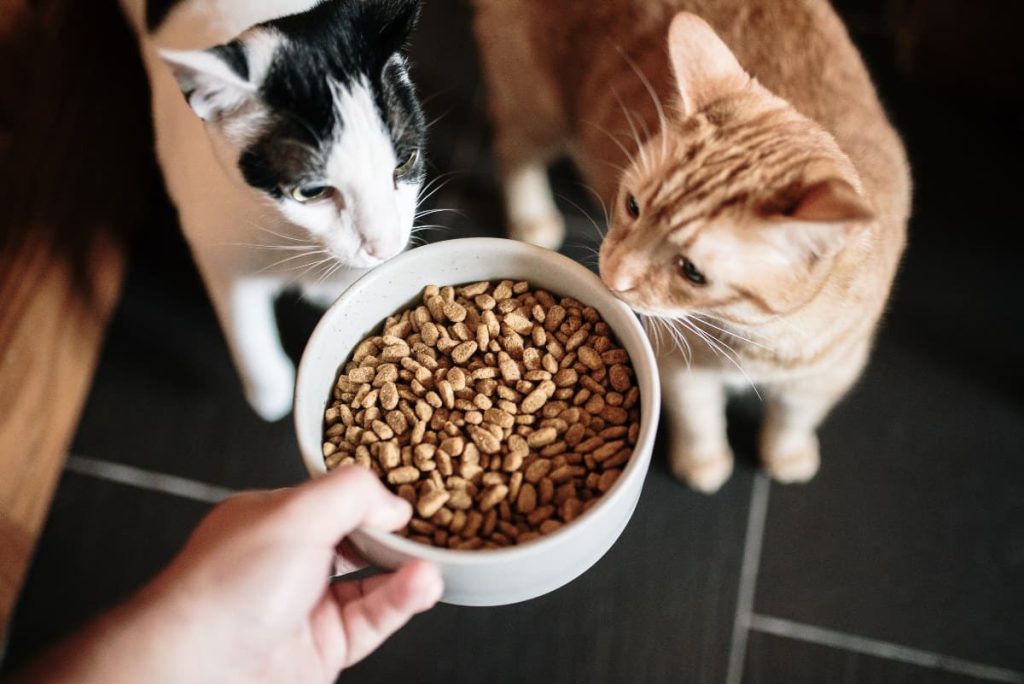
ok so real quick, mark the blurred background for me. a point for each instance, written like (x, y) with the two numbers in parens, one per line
(902, 561)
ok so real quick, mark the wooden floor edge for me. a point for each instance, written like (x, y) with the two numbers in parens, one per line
(46, 370)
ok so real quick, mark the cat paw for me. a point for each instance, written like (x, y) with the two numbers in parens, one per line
(271, 396)
(705, 473)
(793, 462)
(547, 232)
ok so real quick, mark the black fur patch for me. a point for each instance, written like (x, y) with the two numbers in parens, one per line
(339, 41)
(233, 54)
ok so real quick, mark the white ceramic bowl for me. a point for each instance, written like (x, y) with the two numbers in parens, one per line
(481, 578)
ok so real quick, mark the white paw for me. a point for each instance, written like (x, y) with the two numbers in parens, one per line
(792, 460)
(547, 231)
(704, 472)
(271, 394)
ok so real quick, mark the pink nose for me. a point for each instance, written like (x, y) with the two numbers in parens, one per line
(616, 280)
(614, 266)
(381, 248)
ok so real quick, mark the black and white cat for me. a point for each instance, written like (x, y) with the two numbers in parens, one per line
(294, 158)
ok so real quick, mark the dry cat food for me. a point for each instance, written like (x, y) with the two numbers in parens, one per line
(499, 411)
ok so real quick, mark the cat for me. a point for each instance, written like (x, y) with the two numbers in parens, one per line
(757, 209)
(292, 144)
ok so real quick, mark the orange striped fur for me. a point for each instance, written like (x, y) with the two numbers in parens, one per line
(772, 194)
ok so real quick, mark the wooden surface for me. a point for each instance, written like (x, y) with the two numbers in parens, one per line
(73, 178)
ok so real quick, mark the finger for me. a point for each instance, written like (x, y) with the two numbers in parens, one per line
(329, 508)
(346, 591)
(384, 603)
(347, 559)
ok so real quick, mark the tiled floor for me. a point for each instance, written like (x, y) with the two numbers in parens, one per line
(903, 561)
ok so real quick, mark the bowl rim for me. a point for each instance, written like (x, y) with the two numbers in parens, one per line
(650, 402)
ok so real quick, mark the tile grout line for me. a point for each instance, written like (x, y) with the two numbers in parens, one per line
(147, 479)
(881, 649)
(748, 577)
(745, 618)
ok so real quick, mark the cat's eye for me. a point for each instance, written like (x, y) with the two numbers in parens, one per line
(690, 271)
(311, 193)
(632, 208)
(407, 165)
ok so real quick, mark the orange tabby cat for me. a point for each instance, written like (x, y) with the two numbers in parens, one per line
(757, 207)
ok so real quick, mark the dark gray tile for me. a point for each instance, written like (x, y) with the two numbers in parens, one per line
(101, 542)
(772, 659)
(658, 608)
(913, 532)
(662, 601)
(166, 396)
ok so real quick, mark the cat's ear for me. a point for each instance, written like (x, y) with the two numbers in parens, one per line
(214, 82)
(704, 67)
(390, 21)
(831, 200)
(822, 217)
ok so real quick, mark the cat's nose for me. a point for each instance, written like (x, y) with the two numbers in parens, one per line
(381, 248)
(375, 249)
(615, 270)
(618, 281)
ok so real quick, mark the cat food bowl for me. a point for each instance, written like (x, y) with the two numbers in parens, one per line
(514, 573)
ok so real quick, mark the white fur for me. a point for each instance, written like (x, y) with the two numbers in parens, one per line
(373, 226)
(532, 214)
(223, 218)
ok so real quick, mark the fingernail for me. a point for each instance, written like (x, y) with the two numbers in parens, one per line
(399, 505)
(435, 584)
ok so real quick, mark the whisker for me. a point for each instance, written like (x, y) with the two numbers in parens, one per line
(428, 226)
(632, 128)
(301, 274)
(437, 118)
(654, 98)
(288, 259)
(283, 248)
(720, 348)
(604, 207)
(615, 140)
(331, 270)
(434, 191)
(446, 177)
(696, 318)
(681, 342)
(618, 167)
(428, 212)
(597, 229)
(255, 225)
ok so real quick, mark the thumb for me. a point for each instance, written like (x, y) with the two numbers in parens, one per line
(343, 500)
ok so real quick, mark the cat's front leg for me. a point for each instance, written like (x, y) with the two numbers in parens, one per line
(524, 141)
(793, 412)
(529, 206)
(245, 307)
(694, 405)
(789, 445)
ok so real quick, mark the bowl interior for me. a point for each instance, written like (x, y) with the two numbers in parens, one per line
(395, 285)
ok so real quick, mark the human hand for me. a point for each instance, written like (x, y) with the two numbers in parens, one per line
(249, 597)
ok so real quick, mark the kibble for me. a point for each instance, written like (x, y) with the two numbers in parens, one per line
(501, 412)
